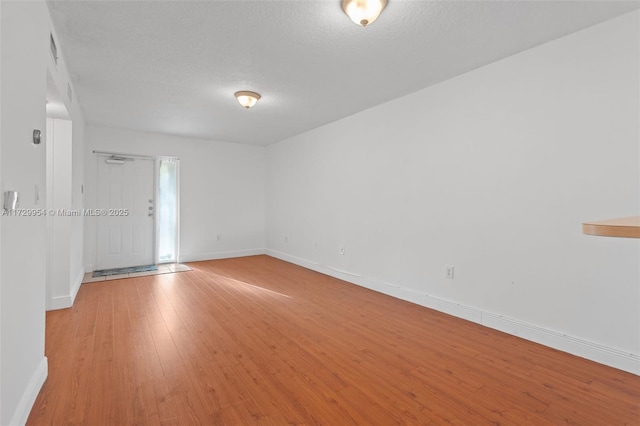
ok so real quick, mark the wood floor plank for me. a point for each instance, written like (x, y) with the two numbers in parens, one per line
(256, 340)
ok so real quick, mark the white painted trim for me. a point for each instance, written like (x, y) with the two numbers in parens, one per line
(59, 302)
(219, 255)
(583, 348)
(158, 162)
(30, 394)
(63, 302)
(178, 225)
(76, 285)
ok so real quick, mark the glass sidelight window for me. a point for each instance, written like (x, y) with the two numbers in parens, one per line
(167, 210)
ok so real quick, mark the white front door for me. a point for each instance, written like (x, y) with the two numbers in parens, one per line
(126, 205)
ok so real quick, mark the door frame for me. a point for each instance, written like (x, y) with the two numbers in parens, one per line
(156, 173)
(158, 159)
(101, 155)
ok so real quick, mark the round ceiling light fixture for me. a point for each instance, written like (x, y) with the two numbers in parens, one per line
(363, 12)
(247, 98)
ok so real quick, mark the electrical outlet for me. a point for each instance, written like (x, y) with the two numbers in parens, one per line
(449, 272)
(286, 239)
(341, 250)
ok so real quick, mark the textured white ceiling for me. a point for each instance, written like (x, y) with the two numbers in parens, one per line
(172, 66)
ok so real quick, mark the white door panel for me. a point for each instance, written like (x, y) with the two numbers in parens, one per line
(125, 240)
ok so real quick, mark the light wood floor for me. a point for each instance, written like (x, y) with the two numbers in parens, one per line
(260, 341)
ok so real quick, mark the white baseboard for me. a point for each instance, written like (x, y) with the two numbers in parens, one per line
(28, 398)
(59, 302)
(63, 302)
(583, 348)
(219, 255)
(76, 285)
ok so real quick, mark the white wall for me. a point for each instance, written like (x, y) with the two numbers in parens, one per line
(67, 262)
(23, 366)
(492, 172)
(221, 190)
(59, 146)
(1, 120)
(76, 255)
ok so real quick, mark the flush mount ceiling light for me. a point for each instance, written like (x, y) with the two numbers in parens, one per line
(246, 98)
(363, 12)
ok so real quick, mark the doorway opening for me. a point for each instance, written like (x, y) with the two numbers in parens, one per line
(138, 202)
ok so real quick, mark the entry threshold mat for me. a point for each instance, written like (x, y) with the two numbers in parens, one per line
(120, 271)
